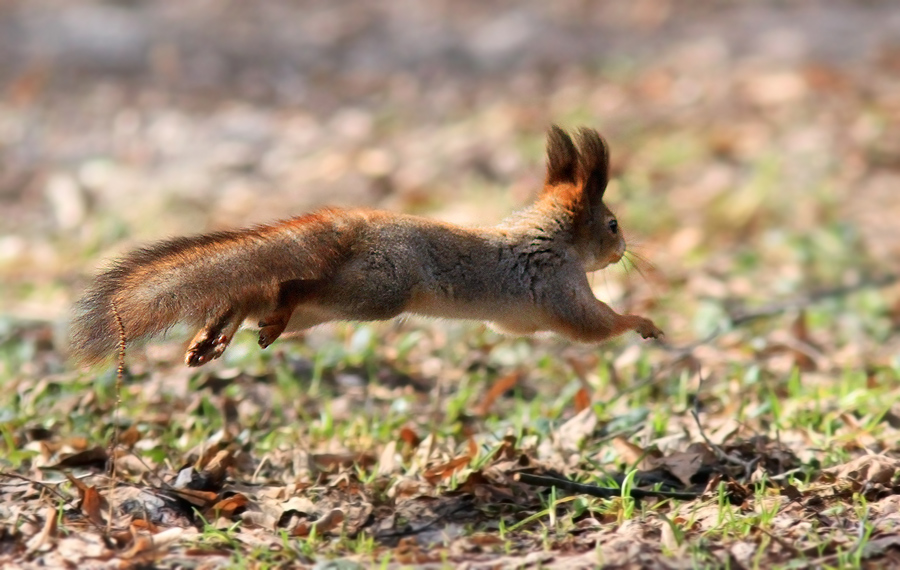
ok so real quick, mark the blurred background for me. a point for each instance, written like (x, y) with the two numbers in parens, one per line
(756, 145)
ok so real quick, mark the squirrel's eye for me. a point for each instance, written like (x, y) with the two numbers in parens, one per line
(613, 226)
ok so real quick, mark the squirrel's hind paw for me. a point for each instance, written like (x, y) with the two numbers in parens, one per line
(270, 331)
(211, 341)
(649, 330)
(205, 348)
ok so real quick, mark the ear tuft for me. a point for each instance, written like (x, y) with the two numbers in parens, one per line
(562, 158)
(593, 164)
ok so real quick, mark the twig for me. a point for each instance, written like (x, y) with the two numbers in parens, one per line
(720, 453)
(598, 491)
(743, 317)
(686, 349)
(42, 484)
(800, 302)
(795, 552)
(424, 527)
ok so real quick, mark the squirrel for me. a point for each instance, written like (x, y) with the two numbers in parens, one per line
(525, 275)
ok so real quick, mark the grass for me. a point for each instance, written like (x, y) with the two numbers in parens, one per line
(313, 410)
(384, 421)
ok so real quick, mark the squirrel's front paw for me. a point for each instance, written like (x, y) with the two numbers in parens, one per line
(647, 329)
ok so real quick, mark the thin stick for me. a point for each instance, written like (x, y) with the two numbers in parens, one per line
(742, 317)
(749, 466)
(773, 309)
(598, 491)
(114, 442)
(42, 484)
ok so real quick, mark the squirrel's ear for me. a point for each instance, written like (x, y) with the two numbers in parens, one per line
(562, 158)
(593, 164)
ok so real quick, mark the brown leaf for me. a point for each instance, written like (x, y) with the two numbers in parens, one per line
(500, 386)
(472, 447)
(141, 524)
(575, 430)
(387, 462)
(216, 468)
(227, 507)
(582, 399)
(791, 492)
(485, 539)
(632, 454)
(95, 458)
(410, 437)
(872, 469)
(91, 504)
(197, 498)
(130, 436)
(325, 524)
(333, 462)
(802, 359)
(894, 315)
(48, 531)
(210, 453)
(79, 484)
(147, 543)
(443, 471)
(685, 464)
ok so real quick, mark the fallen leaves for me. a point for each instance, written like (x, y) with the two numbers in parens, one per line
(867, 474)
(410, 521)
(764, 190)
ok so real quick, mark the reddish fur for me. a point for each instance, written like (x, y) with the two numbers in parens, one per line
(526, 274)
(241, 283)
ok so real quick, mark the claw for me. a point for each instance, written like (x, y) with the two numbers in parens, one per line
(211, 341)
(269, 332)
(205, 348)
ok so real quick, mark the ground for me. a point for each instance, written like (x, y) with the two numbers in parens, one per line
(756, 161)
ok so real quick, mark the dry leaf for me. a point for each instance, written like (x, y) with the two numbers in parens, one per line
(386, 461)
(200, 499)
(802, 360)
(685, 464)
(579, 427)
(325, 524)
(872, 469)
(129, 437)
(95, 458)
(410, 437)
(91, 503)
(147, 543)
(48, 531)
(630, 453)
(227, 507)
(333, 462)
(582, 399)
(215, 470)
(438, 473)
(499, 387)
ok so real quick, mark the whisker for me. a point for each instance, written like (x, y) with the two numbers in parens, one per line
(644, 261)
(629, 255)
(625, 262)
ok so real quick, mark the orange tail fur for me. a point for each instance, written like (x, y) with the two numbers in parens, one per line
(195, 280)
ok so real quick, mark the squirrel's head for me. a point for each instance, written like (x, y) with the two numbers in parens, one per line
(576, 181)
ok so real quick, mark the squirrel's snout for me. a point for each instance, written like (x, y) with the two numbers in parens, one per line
(617, 255)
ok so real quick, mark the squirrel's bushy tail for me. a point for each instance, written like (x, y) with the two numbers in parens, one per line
(195, 279)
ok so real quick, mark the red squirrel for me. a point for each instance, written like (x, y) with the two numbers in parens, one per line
(525, 275)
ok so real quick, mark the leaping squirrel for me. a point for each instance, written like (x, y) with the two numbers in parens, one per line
(526, 274)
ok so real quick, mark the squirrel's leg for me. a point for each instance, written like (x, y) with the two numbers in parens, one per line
(597, 321)
(211, 341)
(290, 294)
